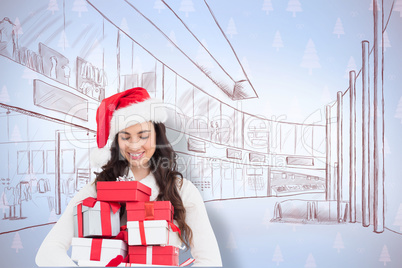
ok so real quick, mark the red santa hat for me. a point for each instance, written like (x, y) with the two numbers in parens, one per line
(120, 111)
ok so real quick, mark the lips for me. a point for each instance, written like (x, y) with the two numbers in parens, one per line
(136, 156)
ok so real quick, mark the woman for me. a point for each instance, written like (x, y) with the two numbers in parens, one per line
(132, 124)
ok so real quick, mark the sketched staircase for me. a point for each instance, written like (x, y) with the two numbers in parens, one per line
(310, 211)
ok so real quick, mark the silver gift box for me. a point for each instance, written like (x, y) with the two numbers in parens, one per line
(91, 220)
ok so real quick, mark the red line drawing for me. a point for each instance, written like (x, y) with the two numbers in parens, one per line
(226, 152)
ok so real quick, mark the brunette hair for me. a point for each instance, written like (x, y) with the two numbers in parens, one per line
(164, 167)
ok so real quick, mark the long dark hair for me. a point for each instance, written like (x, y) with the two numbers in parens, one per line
(164, 168)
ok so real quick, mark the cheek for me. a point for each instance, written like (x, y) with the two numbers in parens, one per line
(150, 145)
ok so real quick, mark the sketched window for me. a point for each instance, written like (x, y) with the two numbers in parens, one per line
(149, 82)
(23, 162)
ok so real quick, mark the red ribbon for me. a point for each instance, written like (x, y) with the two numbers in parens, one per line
(174, 228)
(149, 211)
(105, 219)
(123, 235)
(79, 219)
(142, 233)
(96, 248)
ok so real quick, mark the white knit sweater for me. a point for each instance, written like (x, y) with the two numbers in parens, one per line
(204, 249)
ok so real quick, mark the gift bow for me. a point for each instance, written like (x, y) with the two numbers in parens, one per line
(105, 215)
(149, 211)
(123, 235)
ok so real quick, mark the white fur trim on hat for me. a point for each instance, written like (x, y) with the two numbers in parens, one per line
(99, 157)
(149, 110)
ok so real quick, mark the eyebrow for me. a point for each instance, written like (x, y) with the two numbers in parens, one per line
(141, 132)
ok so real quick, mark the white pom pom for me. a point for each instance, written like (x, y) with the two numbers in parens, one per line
(99, 157)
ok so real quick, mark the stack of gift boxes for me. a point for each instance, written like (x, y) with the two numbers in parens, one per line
(148, 238)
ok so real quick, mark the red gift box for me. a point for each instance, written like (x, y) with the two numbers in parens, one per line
(144, 211)
(122, 191)
(156, 255)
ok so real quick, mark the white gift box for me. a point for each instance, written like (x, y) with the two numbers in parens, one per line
(92, 220)
(155, 233)
(83, 249)
(85, 263)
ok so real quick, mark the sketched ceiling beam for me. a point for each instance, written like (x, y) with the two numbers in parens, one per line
(195, 37)
(226, 86)
(242, 89)
(234, 52)
(44, 117)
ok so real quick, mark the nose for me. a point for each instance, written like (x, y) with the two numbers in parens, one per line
(135, 144)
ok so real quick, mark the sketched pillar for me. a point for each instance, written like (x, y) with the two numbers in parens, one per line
(365, 135)
(352, 147)
(57, 196)
(339, 147)
(378, 118)
(329, 190)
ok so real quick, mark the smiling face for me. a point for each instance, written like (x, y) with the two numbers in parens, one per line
(137, 144)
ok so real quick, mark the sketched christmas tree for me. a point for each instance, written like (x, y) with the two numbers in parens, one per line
(246, 67)
(124, 27)
(203, 57)
(80, 6)
(294, 6)
(310, 262)
(398, 218)
(398, 112)
(231, 244)
(159, 5)
(96, 54)
(310, 58)
(17, 243)
(378, 7)
(295, 112)
(53, 6)
(338, 29)
(267, 6)
(267, 218)
(4, 97)
(351, 67)
(172, 42)
(231, 29)
(338, 243)
(384, 256)
(17, 26)
(63, 42)
(137, 66)
(16, 134)
(387, 43)
(3, 204)
(52, 216)
(387, 149)
(326, 96)
(29, 75)
(398, 7)
(187, 6)
(277, 257)
(278, 43)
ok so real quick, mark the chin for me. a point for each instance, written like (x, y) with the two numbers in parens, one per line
(144, 163)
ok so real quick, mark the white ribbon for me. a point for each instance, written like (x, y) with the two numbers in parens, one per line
(149, 255)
